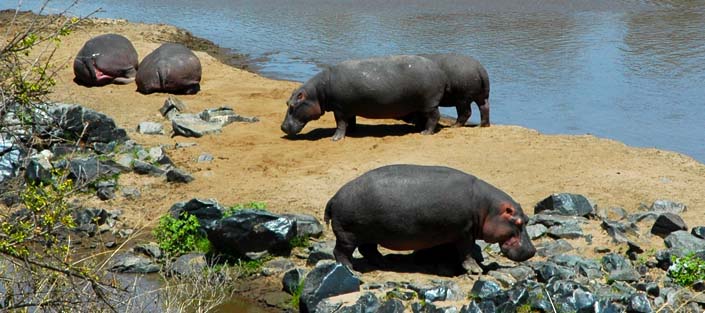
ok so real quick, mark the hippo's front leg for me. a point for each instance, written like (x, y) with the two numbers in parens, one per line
(341, 122)
(432, 118)
(471, 255)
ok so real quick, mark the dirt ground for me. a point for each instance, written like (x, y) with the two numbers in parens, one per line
(255, 162)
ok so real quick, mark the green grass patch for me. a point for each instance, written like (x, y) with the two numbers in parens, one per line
(687, 270)
(177, 236)
(300, 242)
(254, 205)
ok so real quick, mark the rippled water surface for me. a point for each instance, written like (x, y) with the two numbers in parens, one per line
(624, 69)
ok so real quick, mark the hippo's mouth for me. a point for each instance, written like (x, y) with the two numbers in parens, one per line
(511, 243)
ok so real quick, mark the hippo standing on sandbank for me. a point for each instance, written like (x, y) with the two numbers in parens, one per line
(413, 207)
(105, 59)
(385, 87)
(468, 81)
(171, 68)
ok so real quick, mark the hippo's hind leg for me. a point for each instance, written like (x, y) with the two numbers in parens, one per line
(484, 105)
(432, 118)
(343, 252)
(352, 123)
(464, 113)
(371, 254)
(471, 255)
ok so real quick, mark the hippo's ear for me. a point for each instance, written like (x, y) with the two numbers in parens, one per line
(509, 213)
(301, 95)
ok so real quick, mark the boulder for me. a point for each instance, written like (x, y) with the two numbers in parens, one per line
(176, 175)
(684, 241)
(150, 249)
(565, 204)
(552, 248)
(569, 231)
(326, 280)
(88, 169)
(667, 223)
(130, 263)
(536, 231)
(189, 265)
(306, 225)
(207, 211)
(150, 128)
(145, 168)
(252, 231)
(360, 302)
(77, 121)
(292, 279)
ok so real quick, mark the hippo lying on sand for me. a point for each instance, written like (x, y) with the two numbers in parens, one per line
(412, 207)
(105, 59)
(467, 82)
(386, 87)
(171, 68)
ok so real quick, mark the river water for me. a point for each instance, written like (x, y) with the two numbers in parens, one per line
(630, 70)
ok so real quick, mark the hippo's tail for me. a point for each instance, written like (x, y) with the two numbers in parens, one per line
(327, 213)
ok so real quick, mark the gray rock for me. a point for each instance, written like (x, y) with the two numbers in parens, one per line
(105, 193)
(144, 168)
(131, 193)
(570, 231)
(104, 148)
(176, 175)
(484, 289)
(668, 206)
(549, 220)
(684, 241)
(306, 225)
(639, 303)
(367, 302)
(506, 279)
(224, 116)
(427, 307)
(667, 223)
(172, 106)
(519, 272)
(38, 170)
(614, 261)
(207, 211)
(184, 145)
(130, 263)
(642, 217)
(552, 248)
(77, 121)
(319, 254)
(150, 249)
(252, 231)
(292, 279)
(191, 125)
(10, 157)
(276, 266)
(442, 291)
(150, 128)
(626, 275)
(536, 231)
(125, 160)
(549, 270)
(85, 216)
(614, 214)
(619, 232)
(582, 266)
(698, 231)
(87, 170)
(205, 157)
(565, 204)
(191, 264)
(391, 306)
(326, 280)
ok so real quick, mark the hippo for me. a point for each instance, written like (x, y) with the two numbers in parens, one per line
(106, 59)
(414, 207)
(467, 82)
(171, 68)
(383, 87)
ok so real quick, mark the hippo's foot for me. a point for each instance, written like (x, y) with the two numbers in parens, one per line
(338, 135)
(427, 132)
(472, 267)
(485, 124)
(458, 124)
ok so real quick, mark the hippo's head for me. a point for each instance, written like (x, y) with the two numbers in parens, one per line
(302, 107)
(506, 224)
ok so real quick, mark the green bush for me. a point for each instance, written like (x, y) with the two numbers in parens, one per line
(256, 205)
(177, 236)
(300, 242)
(687, 270)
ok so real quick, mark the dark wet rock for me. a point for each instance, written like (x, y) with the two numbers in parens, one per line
(443, 291)
(552, 248)
(319, 254)
(225, 116)
(172, 106)
(391, 306)
(613, 214)
(104, 148)
(651, 288)
(131, 193)
(570, 231)
(663, 259)
(207, 211)
(684, 241)
(668, 206)
(582, 266)
(204, 157)
(607, 306)
(87, 170)
(84, 216)
(77, 121)
(667, 223)
(619, 232)
(565, 204)
(547, 270)
(189, 265)
(145, 168)
(698, 286)
(536, 231)
(130, 263)
(276, 266)
(639, 303)
(176, 175)
(549, 220)
(292, 279)
(484, 289)
(252, 231)
(150, 249)
(519, 272)
(698, 231)
(38, 170)
(367, 302)
(150, 128)
(306, 225)
(326, 280)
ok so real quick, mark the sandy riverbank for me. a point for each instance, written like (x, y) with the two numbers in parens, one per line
(254, 162)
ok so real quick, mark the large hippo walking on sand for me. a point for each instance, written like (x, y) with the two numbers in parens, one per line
(171, 68)
(467, 82)
(386, 87)
(412, 207)
(105, 59)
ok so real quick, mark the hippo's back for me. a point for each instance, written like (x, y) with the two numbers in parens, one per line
(466, 76)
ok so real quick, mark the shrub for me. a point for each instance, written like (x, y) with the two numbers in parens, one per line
(300, 242)
(687, 270)
(177, 236)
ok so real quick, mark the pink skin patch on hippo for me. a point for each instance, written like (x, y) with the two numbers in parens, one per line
(99, 75)
(512, 242)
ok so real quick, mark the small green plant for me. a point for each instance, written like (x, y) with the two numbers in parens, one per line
(296, 296)
(249, 268)
(526, 308)
(256, 205)
(687, 270)
(177, 236)
(300, 242)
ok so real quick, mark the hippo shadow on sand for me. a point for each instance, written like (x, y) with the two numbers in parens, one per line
(443, 260)
(362, 130)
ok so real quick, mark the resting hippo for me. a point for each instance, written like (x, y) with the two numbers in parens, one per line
(386, 87)
(171, 68)
(467, 82)
(413, 207)
(105, 59)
